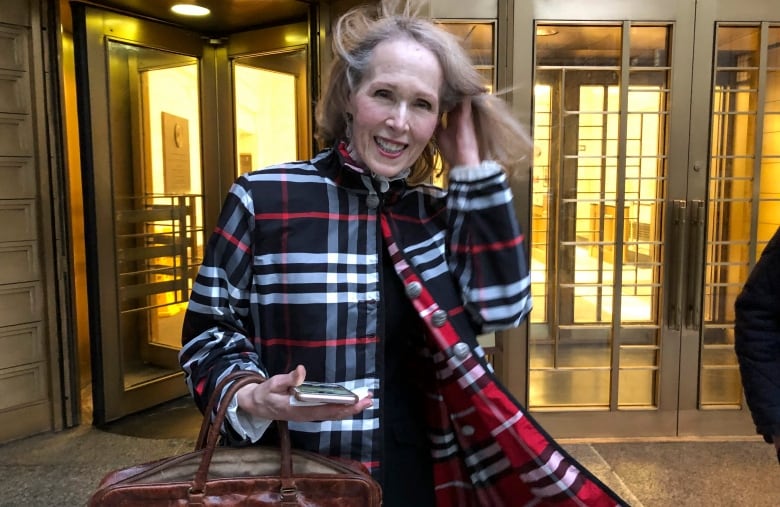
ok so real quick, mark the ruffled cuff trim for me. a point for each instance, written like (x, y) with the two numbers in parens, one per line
(485, 169)
(244, 424)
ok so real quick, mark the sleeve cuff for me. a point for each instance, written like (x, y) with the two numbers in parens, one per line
(485, 169)
(244, 424)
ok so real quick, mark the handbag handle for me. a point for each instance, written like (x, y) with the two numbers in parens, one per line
(200, 443)
(211, 428)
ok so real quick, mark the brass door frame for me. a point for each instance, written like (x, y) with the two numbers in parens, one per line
(92, 29)
(95, 27)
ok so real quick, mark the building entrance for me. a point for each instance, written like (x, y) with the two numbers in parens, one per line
(654, 179)
(654, 189)
(169, 119)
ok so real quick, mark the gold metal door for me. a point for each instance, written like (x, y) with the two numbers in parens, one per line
(740, 189)
(631, 335)
(139, 95)
(168, 120)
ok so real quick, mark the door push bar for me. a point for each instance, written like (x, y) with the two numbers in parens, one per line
(686, 271)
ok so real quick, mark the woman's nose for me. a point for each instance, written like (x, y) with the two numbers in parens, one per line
(399, 117)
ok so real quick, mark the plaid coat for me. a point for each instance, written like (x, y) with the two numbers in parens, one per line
(292, 275)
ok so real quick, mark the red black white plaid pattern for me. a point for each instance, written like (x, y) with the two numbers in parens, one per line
(292, 276)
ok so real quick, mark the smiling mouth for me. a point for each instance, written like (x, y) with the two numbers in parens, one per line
(390, 147)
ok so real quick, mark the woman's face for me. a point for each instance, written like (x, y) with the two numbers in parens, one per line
(395, 109)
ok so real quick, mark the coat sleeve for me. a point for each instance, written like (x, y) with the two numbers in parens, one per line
(757, 340)
(486, 250)
(217, 328)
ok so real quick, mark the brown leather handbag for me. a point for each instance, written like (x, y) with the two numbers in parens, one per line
(257, 476)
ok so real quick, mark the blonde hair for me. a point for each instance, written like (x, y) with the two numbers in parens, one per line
(355, 36)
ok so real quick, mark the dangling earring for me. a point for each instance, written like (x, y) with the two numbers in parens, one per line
(348, 127)
(437, 163)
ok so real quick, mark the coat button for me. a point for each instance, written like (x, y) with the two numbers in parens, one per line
(414, 289)
(439, 318)
(467, 430)
(461, 350)
(372, 201)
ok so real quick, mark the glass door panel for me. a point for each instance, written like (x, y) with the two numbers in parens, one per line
(739, 189)
(156, 186)
(261, 143)
(743, 193)
(271, 114)
(597, 196)
(645, 218)
(159, 216)
(478, 37)
(268, 95)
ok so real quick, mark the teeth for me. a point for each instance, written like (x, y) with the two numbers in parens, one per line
(389, 146)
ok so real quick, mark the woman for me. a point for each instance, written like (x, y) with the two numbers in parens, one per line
(347, 268)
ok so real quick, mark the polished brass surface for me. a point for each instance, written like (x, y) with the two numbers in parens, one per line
(645, 222)
(600, 168)
(743, 196)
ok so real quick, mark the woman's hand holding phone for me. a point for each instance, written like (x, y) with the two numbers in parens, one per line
(310, 393)
(271, 400)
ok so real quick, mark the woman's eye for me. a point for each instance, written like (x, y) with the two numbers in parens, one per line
(384, 94)
(424, 104)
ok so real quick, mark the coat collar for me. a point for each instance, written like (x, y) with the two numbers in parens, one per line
(349, 174)
(345, 151)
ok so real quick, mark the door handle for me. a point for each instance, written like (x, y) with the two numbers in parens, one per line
(695, 265)
(674, 308)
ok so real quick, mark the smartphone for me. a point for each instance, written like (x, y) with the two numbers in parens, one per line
(323, 392)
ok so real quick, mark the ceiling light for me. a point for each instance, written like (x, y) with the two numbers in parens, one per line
(190, 10)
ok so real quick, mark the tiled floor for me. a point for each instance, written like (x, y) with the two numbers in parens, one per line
(64, 468)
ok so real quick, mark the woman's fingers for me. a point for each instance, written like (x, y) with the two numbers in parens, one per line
(457, 136)
(282, 382)
(328, 411)
(270, 399)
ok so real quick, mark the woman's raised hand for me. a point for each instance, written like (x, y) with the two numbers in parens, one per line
(457, 137)
(271, 400)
